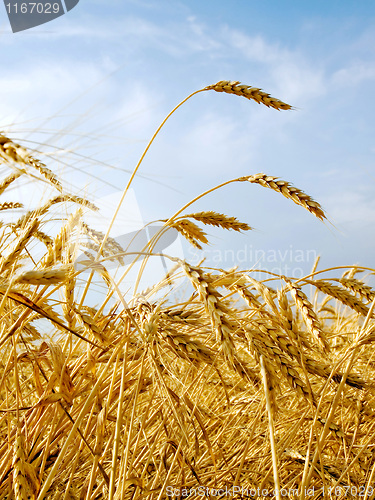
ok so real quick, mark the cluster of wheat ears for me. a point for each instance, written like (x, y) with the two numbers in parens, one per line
(249, 385)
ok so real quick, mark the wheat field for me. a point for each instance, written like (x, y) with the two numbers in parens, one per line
(246, 388)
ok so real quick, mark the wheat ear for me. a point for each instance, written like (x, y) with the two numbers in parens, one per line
(190, 231)
(216, 310)
(22, 241)
(264, 340)
(8, 180)
(55, 251)
(359, 287)
(44, 277)
(340, 294)
(219, 220)
(287, 190)
(252, 93)
(12, 152)
(308, 313)
(8, 205)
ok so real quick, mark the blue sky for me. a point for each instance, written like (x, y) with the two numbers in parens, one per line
(94, 84)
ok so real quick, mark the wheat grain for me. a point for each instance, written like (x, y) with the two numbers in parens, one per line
(358, 287)
(308, 314)
(21, 242)
(90, 326)
(10, 205)
(44, 277)
(12, 152)
(272, 333)
(20, 482)
(266, 293)
(219, 220)
(287, 190)
(287, 321)
(62, 371)
(324, 370)
(43, 237)
(273, 355)
(8, 181)
(32, 214)
(61, 241)
(193, 233)
(214, 307)
(252, 93)
(111, 246)
(69, 287)
(340, 294)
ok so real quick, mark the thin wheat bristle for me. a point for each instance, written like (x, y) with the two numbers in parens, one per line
(289, 191)
(219, 220)
(252, 93)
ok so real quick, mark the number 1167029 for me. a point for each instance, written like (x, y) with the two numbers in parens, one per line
(33, 7)
(353, 491)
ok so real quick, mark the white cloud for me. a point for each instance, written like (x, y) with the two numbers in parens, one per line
(354, 73)
(351, 206)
